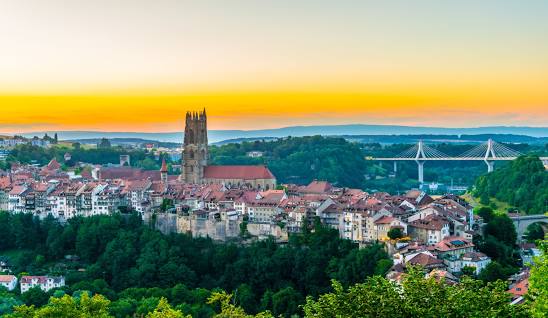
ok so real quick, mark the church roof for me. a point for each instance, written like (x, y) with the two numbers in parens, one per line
(237, 172)
(53, 165)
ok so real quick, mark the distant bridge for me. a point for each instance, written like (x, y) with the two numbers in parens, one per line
(488, 152)
(522, 222)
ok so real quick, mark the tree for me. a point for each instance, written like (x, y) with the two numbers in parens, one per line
(286, 302)
(67, 307)
(538, 284)
(7, 301)
(124, 307)
(486, 213)
(104, 143)
(167, 204)
(395, 233)
(229, 310)
(416, 297)
(164, 310)
(521, 183)
(534, 232)
(493, 272)
(468, 271)
(245, 297)
(502, 228)
(35, 296)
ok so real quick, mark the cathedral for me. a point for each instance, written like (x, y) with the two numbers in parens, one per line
(195, 168)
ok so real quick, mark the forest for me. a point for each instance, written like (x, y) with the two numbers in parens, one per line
(522, 183)
(135, 266)
(119, 267)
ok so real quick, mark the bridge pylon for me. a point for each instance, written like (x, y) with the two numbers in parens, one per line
(419, 159)
(489, 156)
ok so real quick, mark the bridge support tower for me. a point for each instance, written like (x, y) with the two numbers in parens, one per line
(490, 154)
(420, 163)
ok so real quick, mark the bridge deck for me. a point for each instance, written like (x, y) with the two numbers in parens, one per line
(448, 159)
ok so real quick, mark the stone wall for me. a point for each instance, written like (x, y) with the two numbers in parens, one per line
(218, 229)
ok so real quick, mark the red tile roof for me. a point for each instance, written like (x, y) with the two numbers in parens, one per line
(318, 187)
(424, 260)
(164, 166)
(5, 182)
(451, 243)
(237, 172)
(6, 278)
(385, 220)
(53, 165)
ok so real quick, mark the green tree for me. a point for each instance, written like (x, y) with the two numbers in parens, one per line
(229, 310)
(67, 307)
(164, 310)
(538, 284)
(245, 297)
(534, 232)
(493, 272)
(486, 213)
(469, 271)
(35, 296)
(285, 302)
(521, 183)
(416, 297)
(395, 233)
(104, 143)
(502, 228)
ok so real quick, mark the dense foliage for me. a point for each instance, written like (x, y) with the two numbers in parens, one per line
(126, 260)
(522, 183)
(538, 284)
(498, 242)
(300, 160)
(29, 154)
(416, 297)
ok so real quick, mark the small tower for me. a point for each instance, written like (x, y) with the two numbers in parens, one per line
(195, 152)
(163, 172)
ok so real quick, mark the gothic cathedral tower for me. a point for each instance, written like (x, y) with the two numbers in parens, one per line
(195, 151)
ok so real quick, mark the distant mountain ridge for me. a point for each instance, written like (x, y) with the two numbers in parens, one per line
(297, 131)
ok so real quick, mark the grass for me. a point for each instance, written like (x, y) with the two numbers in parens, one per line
(13, 252)
(502, 207)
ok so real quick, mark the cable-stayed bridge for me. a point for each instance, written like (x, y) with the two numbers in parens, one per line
(489, 152)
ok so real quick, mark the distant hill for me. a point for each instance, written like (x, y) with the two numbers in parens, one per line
(297, 131)
(463, 139)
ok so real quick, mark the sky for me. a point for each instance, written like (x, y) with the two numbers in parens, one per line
(135, 65)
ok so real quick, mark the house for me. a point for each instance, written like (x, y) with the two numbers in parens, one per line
(476, 260)
(385, 223)
(255, 154)
(453, 246)
(8, 281)
(44, 282)
(425, 260)
(430, 230)
(519, 289)
(16, 199)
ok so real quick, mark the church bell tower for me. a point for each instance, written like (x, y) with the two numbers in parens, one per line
(195, 152)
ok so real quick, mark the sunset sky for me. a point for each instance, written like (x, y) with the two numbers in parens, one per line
(135, 65)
